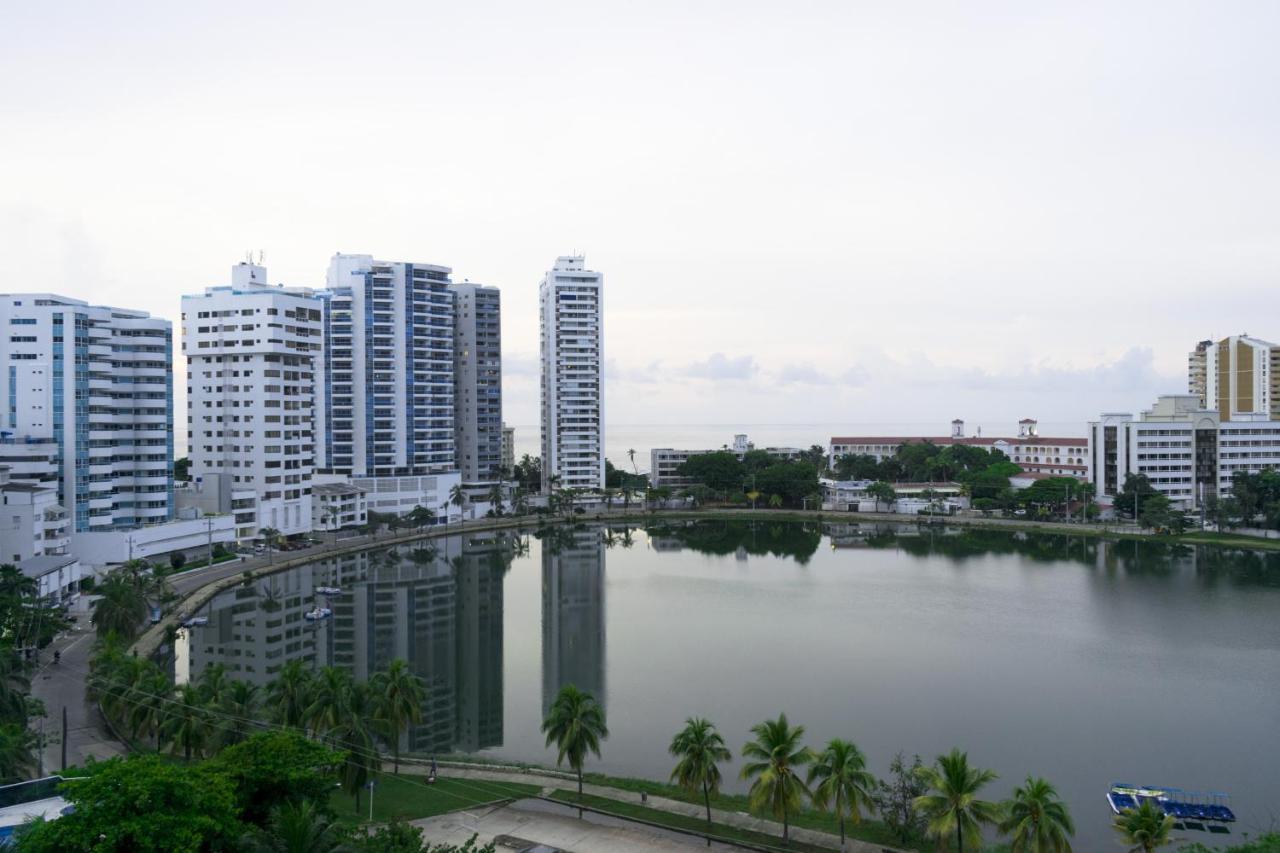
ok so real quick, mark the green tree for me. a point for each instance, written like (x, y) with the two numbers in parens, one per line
(238, 707)
(141, 803)
(121, 606)
(458, 496)
(895, 798)
(576, 725)
(289, 695)
(276, 767)
(296, 828)
(794, 481)
(953, 805)
(775, 501)
(720, 471)
(147, 700)
(1037, 820)
(1145, 828)
(182, 469)
(882, 492)
(17, 753)
(844, 786)
(858, 466)
(270, 537)
(1133, 494)
(330, 690)
(353, 733)
(774, 760)
(399, 695)
(700, 749)
(187, 723)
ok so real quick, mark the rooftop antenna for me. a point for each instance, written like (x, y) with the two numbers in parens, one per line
(261, 256)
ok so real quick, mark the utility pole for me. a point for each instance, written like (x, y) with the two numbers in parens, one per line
(209, 525)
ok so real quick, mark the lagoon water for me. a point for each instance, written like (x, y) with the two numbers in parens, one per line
(1083, 661)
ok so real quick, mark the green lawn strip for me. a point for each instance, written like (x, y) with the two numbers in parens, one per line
(1234, 540)
(411, 798)
(685, 822)
(871, 831)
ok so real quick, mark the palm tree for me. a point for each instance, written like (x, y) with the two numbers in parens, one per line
(213, 682)
(1144, 828)
(121, 607)
(458, 497)
(330, 692)
(147, 702)
(496, 498)
(631, 454)
(352, 733)
(240, 704)
(398, 694)
(17, 753)
(187, 723)
(296, 827)
(844, 785)
(954, 805)
(575, 724)
(776, 756)
(270, 535)
(289, 695)
(700, 748)
(1037, 819)
(775, 501)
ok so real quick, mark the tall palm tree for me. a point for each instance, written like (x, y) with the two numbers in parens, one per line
(1037, 819)
(496, 498)
(213, 683)
(631, 454)
(296, 827)
(576, 725)
(289, 695)
(399, 695)
(458, 497)
(844, 785)
(148, 701)
(271, 536)
(330, 693)
(954, 805)
(700, 749)
(1145, 828)
(17, 753)
(353, 733)
(187, 722)
(775, 759)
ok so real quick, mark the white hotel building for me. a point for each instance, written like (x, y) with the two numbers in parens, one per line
(385, 417)
(572, 343)
(1186, 451)
(253, 351)
(89, 408)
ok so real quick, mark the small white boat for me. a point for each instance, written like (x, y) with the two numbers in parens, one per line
(196, 622)
(328, 590)
(317, 613)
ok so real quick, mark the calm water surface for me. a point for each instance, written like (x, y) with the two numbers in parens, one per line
(1083, 661)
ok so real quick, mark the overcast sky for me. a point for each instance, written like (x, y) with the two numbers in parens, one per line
(805, 212)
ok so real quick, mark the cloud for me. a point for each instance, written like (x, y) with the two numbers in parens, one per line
(720, 366)
(803, 374)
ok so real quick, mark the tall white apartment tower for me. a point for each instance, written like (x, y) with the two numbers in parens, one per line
(387, 401)
(253, 352)
(572, 343)
(477, 381)
(90, 407)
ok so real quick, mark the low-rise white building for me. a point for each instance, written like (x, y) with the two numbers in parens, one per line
(664, 461)
(57, 577)
(32, 522)
(98, 551)
(338, 505)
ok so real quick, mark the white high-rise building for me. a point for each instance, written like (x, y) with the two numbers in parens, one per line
(253, 355)
(572, 344)
(477, 382)
(94, 385)
(385, 417)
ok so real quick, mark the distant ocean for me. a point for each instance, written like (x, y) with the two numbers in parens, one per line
(619, 438)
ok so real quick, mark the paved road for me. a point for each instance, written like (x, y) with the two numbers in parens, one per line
(61, 685)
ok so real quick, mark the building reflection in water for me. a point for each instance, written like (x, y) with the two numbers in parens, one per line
(573, 617)
(438, 606)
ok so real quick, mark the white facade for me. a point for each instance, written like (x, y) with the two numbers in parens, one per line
(572, 349)
(32, 522)
(1185, 450)
(253, 353)
(401, 495)
(387, 406)
(338, 505)
(477, 381)
(664, 462)
(96, 383)
(100, 550)
(57, 577)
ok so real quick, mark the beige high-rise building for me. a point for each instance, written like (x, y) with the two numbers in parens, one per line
(1236, 377)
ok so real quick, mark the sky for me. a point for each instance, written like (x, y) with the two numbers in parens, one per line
(805, 212)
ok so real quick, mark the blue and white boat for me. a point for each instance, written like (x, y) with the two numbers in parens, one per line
(317, 614)
(1184, 805)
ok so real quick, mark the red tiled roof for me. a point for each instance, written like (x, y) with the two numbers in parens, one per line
(1035, 440)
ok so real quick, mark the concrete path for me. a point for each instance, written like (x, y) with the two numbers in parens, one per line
(740, 820)
(60, 685)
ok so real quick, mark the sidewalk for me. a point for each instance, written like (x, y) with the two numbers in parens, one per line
(740, 820)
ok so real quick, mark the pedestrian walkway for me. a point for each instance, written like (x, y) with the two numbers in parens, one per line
(551, 782)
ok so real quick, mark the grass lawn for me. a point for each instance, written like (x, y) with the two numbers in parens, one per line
(411, 798)
(871, 831)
